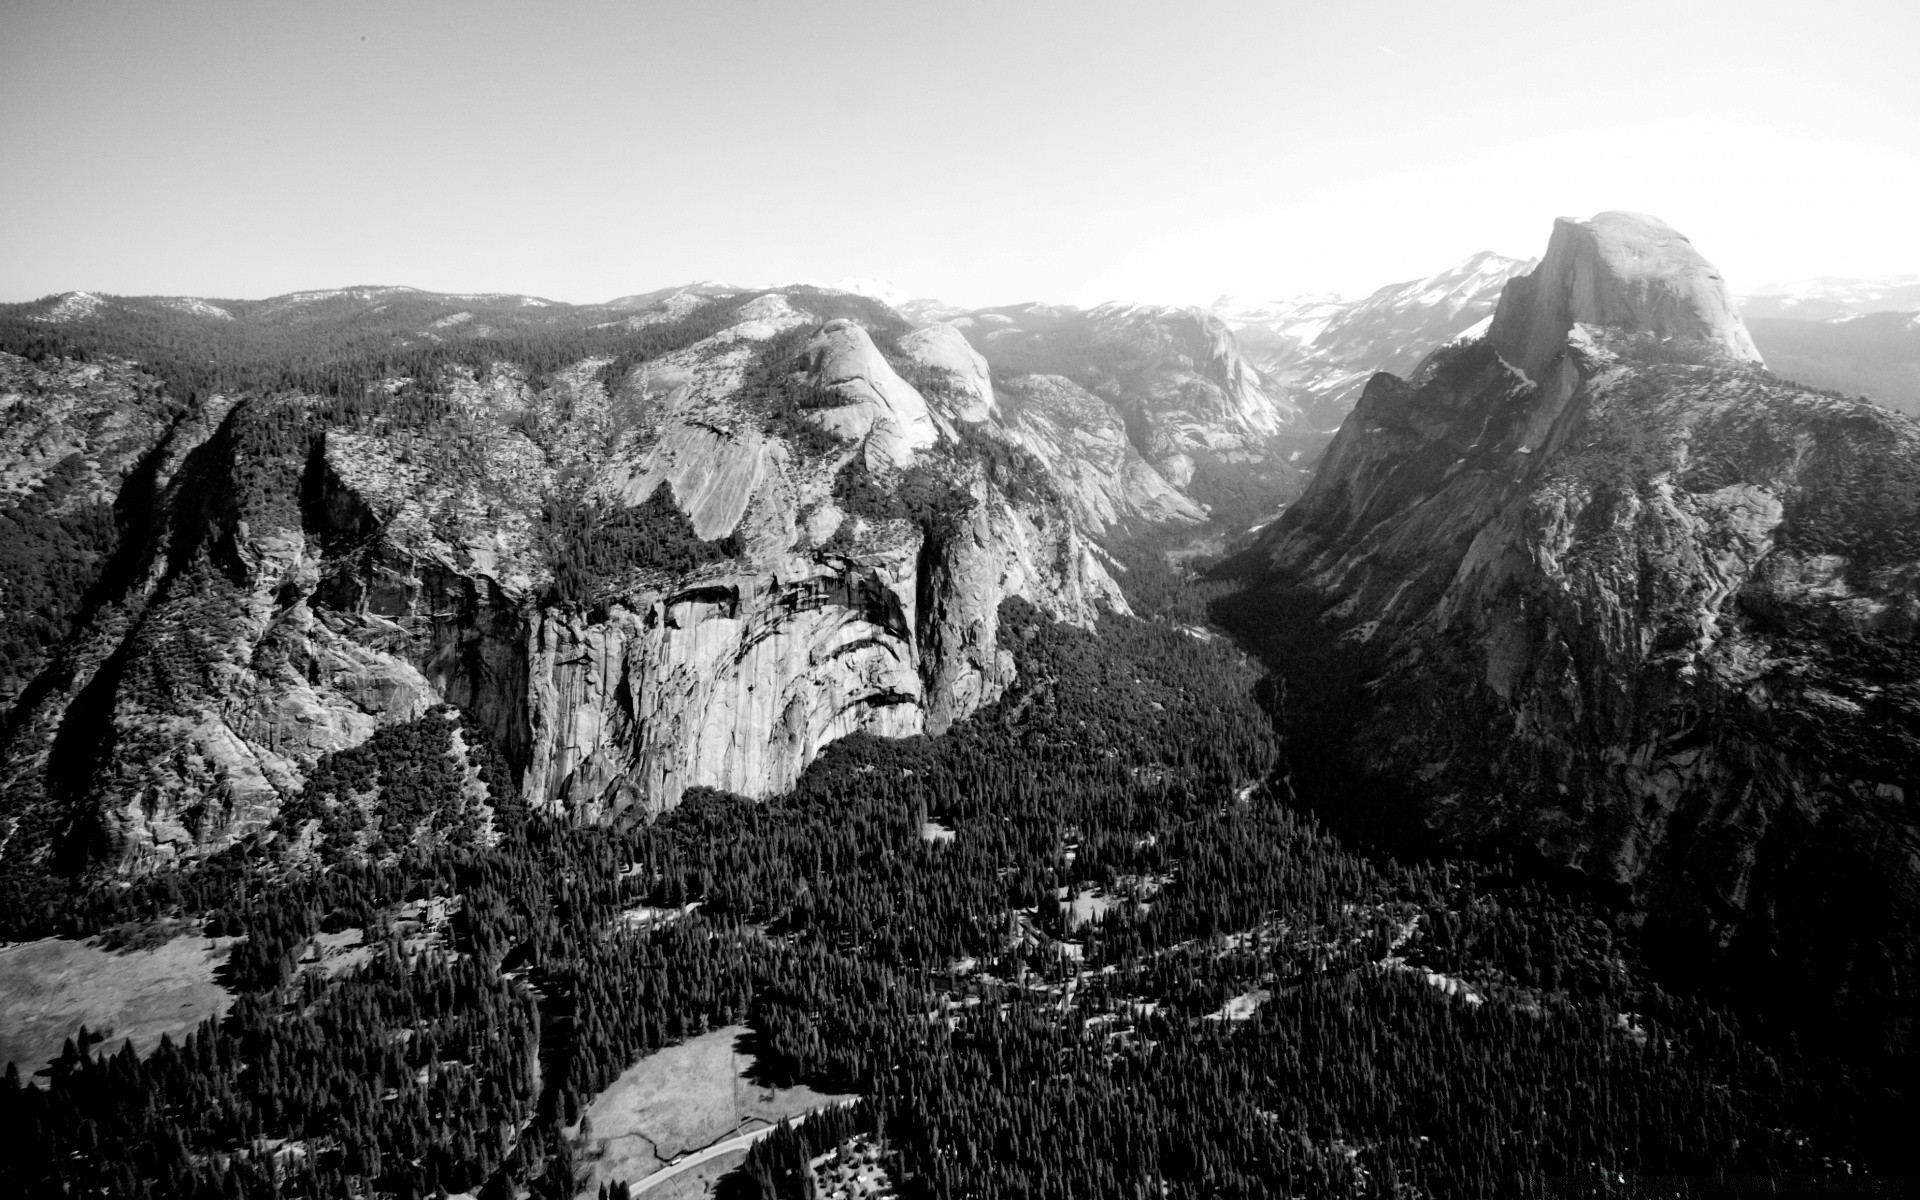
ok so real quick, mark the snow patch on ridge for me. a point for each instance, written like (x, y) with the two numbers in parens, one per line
(73, 306)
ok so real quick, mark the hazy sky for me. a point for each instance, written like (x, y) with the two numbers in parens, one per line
(979, 152)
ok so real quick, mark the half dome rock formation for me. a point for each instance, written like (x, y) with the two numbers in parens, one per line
(1599, 589)
(1621, 271)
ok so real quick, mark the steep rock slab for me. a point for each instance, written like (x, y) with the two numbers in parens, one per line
(736, 683)
(882, 409)
(714, 474)
(1001, 550)
(966, 384)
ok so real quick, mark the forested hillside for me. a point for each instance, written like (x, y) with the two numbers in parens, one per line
(1135, 969)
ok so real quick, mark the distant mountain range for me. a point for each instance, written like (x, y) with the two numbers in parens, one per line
(1831, 296)
(797, 428)
(1323, 350)
(1857, 336)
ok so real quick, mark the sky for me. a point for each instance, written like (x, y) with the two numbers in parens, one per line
(979, 153)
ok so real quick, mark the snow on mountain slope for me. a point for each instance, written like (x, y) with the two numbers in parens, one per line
(1322, 350)
(705, 288)
(1829, 297)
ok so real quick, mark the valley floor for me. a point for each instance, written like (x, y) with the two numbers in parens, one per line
(681, 1102)
(932, 929)
(51, 988)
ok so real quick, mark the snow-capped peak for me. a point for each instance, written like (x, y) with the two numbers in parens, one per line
(884, 290)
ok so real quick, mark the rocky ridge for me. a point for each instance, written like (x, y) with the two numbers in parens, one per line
(1876, 355)
(308, 578)
(1094, 467)
(1599, 588)
(1194, 409)
(1831, 298)
(1321, 350)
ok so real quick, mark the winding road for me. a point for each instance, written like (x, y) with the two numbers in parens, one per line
(737, 1142)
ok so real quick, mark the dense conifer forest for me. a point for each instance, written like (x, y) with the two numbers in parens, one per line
(1445, 1029)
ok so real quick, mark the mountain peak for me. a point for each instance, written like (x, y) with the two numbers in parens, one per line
(1624, 271)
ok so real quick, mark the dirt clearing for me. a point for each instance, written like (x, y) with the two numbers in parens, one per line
(50, 988)
(679, 1101)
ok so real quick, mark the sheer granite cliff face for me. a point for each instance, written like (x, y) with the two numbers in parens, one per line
(299, 586)
(1599, 588)
(1618, 271)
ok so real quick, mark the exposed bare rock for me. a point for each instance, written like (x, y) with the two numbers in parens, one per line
(714, 474)
(1194, 408)
(882, 409)
(735, 682)
(1094, 467)
(72, 306)
(1623, 271)
(967, 393)
(1201, 393)
(1000, 551)
(1644, 611)
(97, 419)
(299, 584)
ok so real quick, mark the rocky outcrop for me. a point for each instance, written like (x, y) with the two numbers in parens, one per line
(1630, 605)
(302, 583)
(734, 682)
(1320, 351)
(1194, 389)
(965, 384)
(1094, 467)
(1206, 421)
(1000, 550)
(882, 409)
(736, 677)
(1622, 271)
